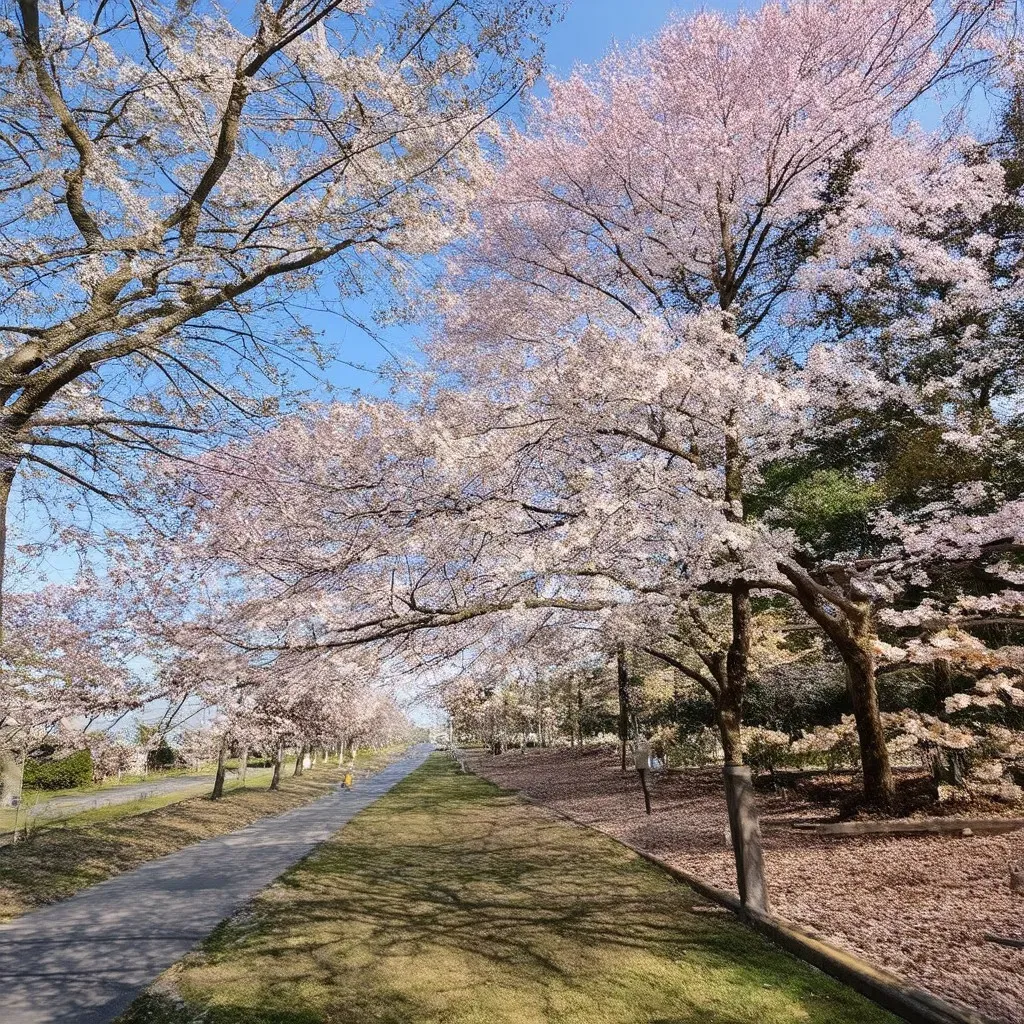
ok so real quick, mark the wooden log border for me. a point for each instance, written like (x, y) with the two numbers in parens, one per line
(912, 826)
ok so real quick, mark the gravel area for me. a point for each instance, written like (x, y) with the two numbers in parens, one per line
(915, 905)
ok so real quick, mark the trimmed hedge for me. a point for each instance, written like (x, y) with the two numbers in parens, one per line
(65, 773)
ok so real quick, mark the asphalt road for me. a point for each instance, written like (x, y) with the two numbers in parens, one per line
(67, 806)
(84, 960)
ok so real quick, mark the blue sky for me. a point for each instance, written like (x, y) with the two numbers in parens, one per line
(592, 26)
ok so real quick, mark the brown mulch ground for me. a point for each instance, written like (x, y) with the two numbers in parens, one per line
(917, 905)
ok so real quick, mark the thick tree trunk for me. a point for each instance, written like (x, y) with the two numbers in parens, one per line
(942, 679)
(728, 718)
(731, 674)
(744, 825)
(299, 760)
(243, 764)
(849, 625)
(275, 780)
(218, 779)
(623, 680)
(12, 773)
(879, 787)
(745, 830)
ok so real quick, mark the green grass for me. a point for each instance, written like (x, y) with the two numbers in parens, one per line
(125, 779)
(115, 812)
(39, 798)
(450, 902)
(110, 812)
(58, 859)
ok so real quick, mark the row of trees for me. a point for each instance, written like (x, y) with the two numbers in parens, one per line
(724, 366)
(727, 375)
(77, 676)
(177, 184)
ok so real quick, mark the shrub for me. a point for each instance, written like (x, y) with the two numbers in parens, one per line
(63, 773)
(162, 757)
(796, 696)
(663, 740)
(767, 751)
(834, 746)
(695, 750)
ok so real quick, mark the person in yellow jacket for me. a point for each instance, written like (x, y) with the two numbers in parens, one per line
(348, 780)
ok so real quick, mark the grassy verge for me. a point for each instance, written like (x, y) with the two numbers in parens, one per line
(37, 814)
(56, 861)
(450, 902)
(36, 810)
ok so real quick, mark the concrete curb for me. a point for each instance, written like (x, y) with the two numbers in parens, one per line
(889, 991)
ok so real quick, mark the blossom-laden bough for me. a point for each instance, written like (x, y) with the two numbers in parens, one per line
(711, 293)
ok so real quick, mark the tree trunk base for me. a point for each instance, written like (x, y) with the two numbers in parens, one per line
(745, 830)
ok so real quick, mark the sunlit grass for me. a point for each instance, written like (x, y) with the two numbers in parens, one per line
(449, 901)
(35, 812)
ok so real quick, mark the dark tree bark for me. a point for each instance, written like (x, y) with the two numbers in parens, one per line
(622, 669)
(942, 678)
(275, 781)
(647, 793)
(579, 710)
(218, 780)
(849, 624)
(299, 769)
(744, 825)
(879, 785)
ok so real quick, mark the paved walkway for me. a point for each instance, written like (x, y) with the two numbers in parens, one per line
(183, 785)
(84, 960)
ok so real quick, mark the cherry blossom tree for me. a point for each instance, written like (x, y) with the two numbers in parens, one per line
(916, 531)
(611, 388)
(688, 183)
(174, 178)
(63, 666)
